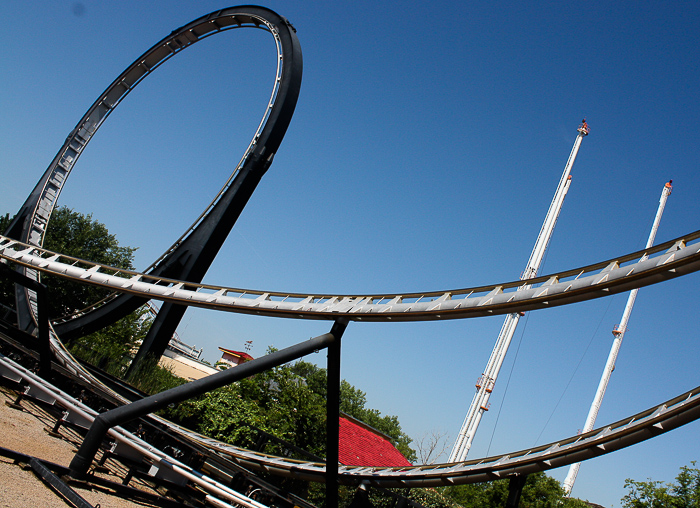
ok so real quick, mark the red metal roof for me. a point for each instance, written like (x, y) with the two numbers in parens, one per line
(361, 446)
(240, 354)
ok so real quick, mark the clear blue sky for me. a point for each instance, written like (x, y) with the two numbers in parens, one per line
(425, 149)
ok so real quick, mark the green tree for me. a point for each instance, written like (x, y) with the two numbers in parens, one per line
(277, 401)
(80, 236)
(353, 402)
(224, 414)
(77, 235)
(288, 402)
(687, 490)
(294, 412)
(112, 347)
(540, 491)
(684, 493)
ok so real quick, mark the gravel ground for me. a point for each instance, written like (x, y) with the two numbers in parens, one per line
(24, 431)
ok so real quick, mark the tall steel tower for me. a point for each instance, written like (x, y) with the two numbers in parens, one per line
(485, 384)
(618, 333)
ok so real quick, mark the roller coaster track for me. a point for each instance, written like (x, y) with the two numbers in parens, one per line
(192, 254)
(22, 246)
(634, 429)
(666, 261)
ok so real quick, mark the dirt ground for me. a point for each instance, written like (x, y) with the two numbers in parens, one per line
(24, 431)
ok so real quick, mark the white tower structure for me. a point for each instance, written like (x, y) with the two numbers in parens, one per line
(618, 334)
(485, 384)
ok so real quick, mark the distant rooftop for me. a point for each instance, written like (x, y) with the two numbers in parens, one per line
(361, 445)
(239, 354)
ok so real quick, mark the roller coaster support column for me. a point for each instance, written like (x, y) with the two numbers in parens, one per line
(42, 313)
(484, 387)
(101, 425)
(515, 490)
(333, 414)
(618, 333)
(191, 260)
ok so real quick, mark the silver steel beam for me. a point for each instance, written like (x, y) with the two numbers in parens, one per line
(666, 261)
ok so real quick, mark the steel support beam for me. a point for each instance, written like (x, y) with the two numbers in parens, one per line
(515, 490)
(101, 425)
(332, 414)
(42, 315)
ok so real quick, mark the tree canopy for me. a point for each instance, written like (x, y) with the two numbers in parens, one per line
(684, 493)
(80, 236)
(77, 235)
(540, 491)
(287, 402)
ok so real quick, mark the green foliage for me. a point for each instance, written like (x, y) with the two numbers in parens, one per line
(224, 415)
(540, 491)
(685, 493)
(295, 413)
(111, 348)
(353, 402)
(77, 235)
(5, 222)
(429, 498)
(152, 378)
(687, 489)
(288, 402)
(277, 402)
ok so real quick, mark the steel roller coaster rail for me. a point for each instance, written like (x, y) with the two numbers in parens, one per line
(21, 246)
(665, 261)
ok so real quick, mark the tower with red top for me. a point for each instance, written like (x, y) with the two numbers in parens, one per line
(618, 333)
(487, 381)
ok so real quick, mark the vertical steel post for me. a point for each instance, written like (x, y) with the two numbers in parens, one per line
(515, 490)
(42, 317)
(332, 414)
(42, 303)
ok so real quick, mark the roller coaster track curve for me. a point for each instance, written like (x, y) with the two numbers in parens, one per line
(192, 254)
(663, 262)
(666, 261)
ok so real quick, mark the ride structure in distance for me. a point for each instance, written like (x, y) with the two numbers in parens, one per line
(618, 334)
(487, 381)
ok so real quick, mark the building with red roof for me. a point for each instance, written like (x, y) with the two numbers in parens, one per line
(234, 358)
(361, 445)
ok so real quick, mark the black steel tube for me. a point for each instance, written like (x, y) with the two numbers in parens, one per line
(42, 295)
(118, 416)
(58, 485)
(332, 414)
(515, 490)
(42, 303)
